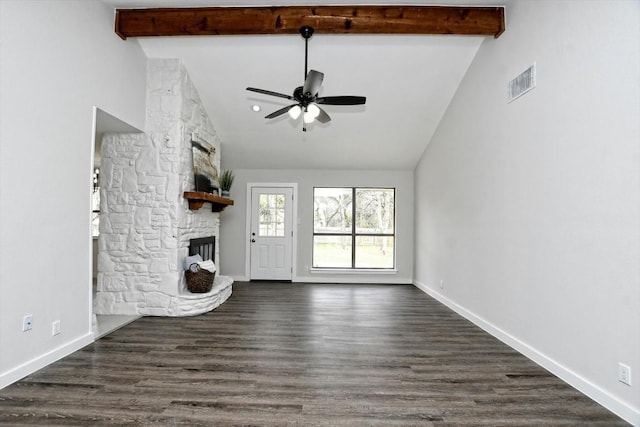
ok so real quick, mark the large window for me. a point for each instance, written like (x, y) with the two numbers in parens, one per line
(353, 228)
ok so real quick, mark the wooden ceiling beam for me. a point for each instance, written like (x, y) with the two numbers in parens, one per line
(209, 21)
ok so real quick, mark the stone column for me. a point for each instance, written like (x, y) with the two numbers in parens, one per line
(145, 224)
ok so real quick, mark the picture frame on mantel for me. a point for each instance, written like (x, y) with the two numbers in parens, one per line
(205, 171)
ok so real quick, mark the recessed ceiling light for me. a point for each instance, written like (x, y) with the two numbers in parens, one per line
(256, 108)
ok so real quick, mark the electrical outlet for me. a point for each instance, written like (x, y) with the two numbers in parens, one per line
(55, 328)
(27, 322)
(624, 373)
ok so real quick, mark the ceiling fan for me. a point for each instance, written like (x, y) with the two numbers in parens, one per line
(306, 97)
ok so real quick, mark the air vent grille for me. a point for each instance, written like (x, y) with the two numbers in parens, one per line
(522, 84)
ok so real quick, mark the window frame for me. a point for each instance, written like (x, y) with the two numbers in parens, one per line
(354, 234)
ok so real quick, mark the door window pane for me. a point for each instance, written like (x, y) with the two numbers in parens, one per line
(271, 215)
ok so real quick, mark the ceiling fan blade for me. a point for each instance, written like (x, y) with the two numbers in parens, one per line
(268, 92)
(342, 100)
(323, 117)
(313, 82)
(279, 112)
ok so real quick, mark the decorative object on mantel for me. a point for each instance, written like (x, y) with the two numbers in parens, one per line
(198, 198)
(226, 181)
(204, 165)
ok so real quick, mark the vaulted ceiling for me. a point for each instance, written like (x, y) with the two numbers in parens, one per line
(408, 80)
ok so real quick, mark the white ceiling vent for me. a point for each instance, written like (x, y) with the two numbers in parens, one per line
(522, 84)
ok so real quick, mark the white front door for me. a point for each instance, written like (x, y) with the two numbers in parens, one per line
(271, 233)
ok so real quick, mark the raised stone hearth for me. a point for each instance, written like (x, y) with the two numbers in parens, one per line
(191, 304)
(145, 222)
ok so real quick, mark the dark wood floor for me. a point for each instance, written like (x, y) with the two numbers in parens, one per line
(301, 354)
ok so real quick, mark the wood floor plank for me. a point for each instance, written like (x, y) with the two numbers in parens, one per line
(301, 354)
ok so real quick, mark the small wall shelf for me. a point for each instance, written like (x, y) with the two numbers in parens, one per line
(198, 198)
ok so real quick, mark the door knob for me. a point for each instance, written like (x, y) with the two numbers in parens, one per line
(253, 240)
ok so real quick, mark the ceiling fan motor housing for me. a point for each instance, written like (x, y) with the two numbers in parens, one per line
(303, 98)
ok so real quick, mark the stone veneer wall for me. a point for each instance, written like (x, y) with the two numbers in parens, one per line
(145, 224)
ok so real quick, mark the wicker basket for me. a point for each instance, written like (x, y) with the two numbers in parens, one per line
(199, 280)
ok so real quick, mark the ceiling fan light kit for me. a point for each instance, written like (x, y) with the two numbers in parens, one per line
(294, 112)
(313, 111)
(306, 96)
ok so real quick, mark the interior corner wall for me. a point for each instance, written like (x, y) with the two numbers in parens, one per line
(51, 77)
(233, 233)
(529, 211)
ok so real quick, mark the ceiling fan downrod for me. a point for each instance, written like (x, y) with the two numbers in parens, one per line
(306, 32)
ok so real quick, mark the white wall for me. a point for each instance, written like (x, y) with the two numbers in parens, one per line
(233, 236)
(530, 211)
(51, 76)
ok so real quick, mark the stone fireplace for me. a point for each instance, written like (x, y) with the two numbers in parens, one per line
(145, 223)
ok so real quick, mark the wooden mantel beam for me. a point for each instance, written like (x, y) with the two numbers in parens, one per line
(208, 21)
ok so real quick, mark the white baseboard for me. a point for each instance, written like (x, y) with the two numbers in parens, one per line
(328, 279)
(600, 395)
(352, 280)
(19, 372)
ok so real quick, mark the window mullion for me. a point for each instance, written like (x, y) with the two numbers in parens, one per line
(353, 227)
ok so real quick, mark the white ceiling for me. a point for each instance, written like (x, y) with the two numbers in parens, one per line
(408, 81)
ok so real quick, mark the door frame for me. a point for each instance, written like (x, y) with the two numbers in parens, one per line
(294, 225)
